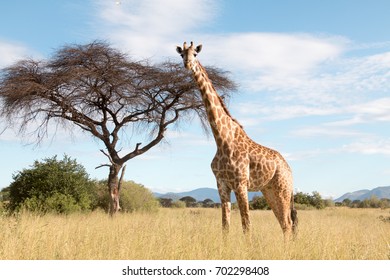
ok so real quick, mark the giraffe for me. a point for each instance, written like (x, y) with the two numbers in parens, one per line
(240, 164)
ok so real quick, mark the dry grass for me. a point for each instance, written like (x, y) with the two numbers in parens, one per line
(194, 234)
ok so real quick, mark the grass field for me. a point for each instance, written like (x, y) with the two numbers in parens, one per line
(195, 234)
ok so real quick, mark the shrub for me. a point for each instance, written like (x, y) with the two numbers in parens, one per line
(133, 197)
(329, 203)
(4, 199)
(57, 202)
(178, 204)
(189, 201)
(165, 202)
(60, 186)
(207, 203)
(259, 203)
(372, 202)
(314, 200)
(299, 206)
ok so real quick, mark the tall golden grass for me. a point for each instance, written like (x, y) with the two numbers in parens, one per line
(195, 234)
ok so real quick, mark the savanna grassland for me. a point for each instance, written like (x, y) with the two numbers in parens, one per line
(337, 233)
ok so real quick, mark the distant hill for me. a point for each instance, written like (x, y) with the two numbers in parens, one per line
(201, 194)
(379, 192)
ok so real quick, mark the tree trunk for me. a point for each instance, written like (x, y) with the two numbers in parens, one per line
(113, 188)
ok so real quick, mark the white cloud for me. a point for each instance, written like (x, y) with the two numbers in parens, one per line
(373, 111)
(147, 17)
(365, 146)
(369, 147)
(337, 81)
(306, 154)
(283, 111)
(377, 110)
(325, 80)
(278, 54)
(147, 29)
(11, 52)
(364, 74)
(321, 131)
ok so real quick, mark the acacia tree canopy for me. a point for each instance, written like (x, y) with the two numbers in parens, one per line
(105, 93)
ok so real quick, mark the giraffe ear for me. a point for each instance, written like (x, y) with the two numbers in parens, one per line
(179, 49)
(198, 48)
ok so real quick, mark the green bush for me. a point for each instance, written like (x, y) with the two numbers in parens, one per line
(57, 202)
(165, 202)
(314, 200)
(372, 202)
(299, 206)
(133, 197)
(178, 204)
(60, 186)
(189, 201)
(302, 201)
(259, 203)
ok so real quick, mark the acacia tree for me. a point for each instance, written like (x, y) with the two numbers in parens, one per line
(105, 93)
(189, 201)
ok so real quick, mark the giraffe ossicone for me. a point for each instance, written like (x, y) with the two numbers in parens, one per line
(240, 164)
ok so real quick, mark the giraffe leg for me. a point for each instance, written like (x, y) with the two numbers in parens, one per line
(243, 204)
(224, 194)
(279, 201)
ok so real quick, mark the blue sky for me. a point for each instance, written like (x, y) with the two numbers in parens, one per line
(314, 83)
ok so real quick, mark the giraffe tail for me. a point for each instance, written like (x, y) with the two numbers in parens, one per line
(294, 216)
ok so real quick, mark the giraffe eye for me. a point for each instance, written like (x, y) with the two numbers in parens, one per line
(195, 54)
(182, 55)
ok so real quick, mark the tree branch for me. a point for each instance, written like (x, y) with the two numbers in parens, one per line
(121, 178)
(108, 156)
(102, 165)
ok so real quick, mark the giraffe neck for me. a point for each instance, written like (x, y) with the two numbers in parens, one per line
(218, 115)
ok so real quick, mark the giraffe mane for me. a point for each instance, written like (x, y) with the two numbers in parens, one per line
(226, 110)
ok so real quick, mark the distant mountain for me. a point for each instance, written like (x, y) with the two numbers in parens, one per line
(379, 192)
(201, 194)
(352, 195)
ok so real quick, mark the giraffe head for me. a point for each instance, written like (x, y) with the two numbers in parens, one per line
(189, 54)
